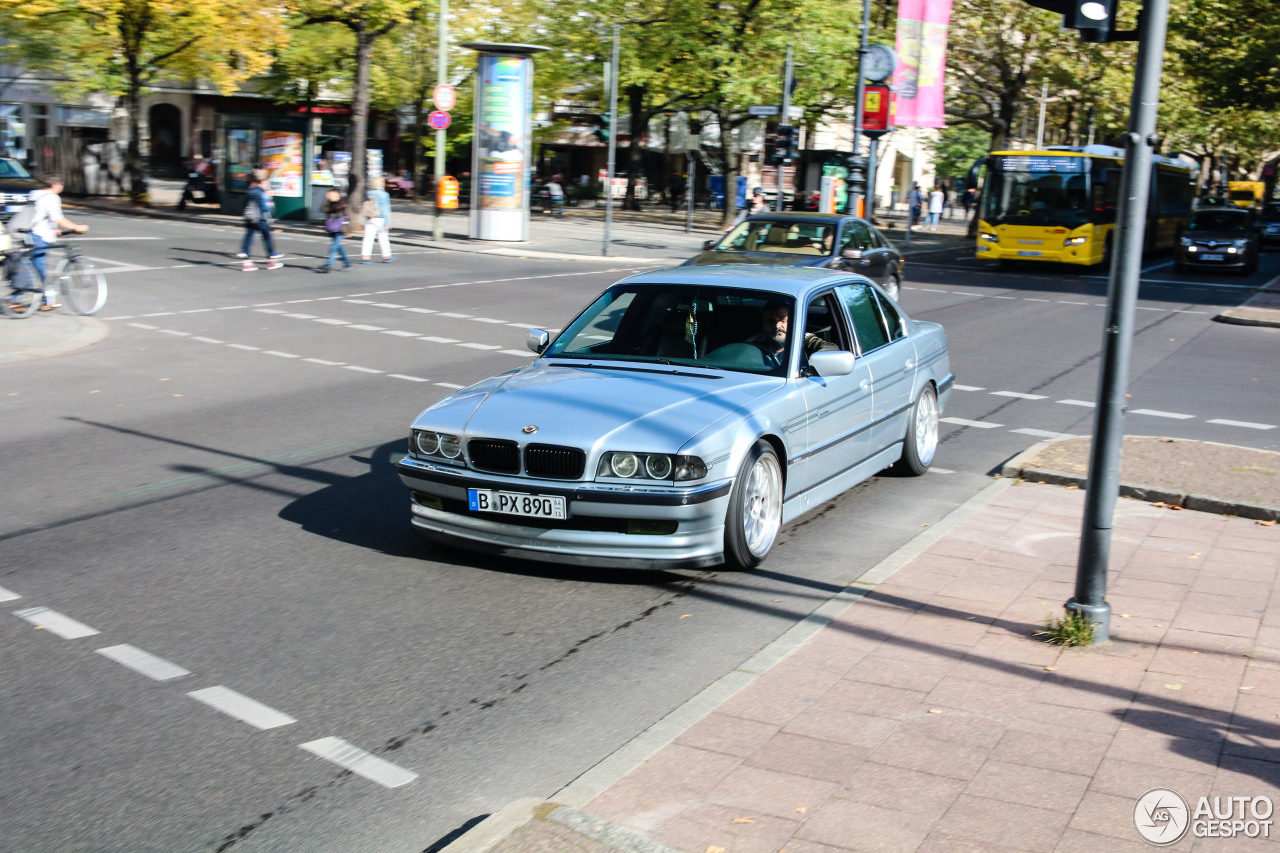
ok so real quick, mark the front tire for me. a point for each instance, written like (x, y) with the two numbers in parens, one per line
(921, 441)
(84, 288)
(755, 509)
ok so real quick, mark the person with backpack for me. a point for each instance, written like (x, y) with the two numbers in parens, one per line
(376, 211)
(335, 225)
(42, 220)
(257, 220)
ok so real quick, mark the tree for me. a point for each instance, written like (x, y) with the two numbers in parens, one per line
(123, 46)
(957, 148)
(1233, 47)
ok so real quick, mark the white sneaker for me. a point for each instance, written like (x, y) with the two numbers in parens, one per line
(242, 256)
(248, 267)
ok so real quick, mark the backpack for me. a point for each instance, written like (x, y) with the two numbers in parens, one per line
(21, 221)
(251, 211)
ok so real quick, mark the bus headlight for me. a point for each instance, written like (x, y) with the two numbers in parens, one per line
(1075, 241)
(989, 237)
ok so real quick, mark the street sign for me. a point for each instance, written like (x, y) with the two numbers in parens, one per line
(875, 109)
(438, 119)
(444, 97)
(764, 110)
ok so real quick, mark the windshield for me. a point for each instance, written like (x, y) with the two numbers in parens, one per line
(1220, 220)
(779, 235)
(1037, 191)
(12, 169)
(1241, 195)
(720, 328)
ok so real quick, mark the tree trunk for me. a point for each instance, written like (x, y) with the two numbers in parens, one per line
(359, 123)
(639, 125)
(133, 152)
(418, 106)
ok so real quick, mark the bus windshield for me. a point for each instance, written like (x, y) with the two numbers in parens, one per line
(1037, 190)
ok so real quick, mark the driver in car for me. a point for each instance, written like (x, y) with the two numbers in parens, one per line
(772, 339)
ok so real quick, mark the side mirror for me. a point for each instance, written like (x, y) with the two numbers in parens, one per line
(708, 245)
(536, 340)
(831, 363)
(851, 254)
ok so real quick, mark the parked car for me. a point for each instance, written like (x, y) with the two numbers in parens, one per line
(16, 185)
(1219, 238)
(834, 241)
(678, 423)
(1269, 225)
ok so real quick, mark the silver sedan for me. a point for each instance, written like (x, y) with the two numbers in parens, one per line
(681, 419)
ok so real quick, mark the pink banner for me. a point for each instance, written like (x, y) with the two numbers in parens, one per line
(922, 62)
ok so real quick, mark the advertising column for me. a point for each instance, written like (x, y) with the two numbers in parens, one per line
(502, 152)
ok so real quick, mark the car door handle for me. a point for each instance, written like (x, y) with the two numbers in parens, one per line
(909, 365)
(864, 385)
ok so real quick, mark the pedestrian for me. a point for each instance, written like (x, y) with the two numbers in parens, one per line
(377, 222)
(257, 220)
(968, 199)
(915, 205)
(936, 201)
(947, 206)
(335, 225)
(675, 190)
(557, 195)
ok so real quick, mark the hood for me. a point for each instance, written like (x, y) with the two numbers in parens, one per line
(655, 407)
(779, 258)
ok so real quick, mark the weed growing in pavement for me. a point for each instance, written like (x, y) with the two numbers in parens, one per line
(1073, 629)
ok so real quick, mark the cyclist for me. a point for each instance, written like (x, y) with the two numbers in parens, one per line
(48, 224)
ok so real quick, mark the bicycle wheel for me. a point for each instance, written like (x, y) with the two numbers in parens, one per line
(21, 302)
(84, 288)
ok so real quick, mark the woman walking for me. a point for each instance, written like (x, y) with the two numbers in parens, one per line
(257, 220)
(335, 225)
(377, 222)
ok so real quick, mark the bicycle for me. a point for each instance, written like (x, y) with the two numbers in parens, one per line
(74, 277)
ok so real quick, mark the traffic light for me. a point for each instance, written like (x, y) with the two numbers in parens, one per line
(1095, 19)
(785, 146)
(602, 132)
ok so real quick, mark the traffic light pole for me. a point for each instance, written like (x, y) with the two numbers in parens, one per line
(611, 80)
(784, 120)
(442, 77)
(859, 97)
(1117, 339)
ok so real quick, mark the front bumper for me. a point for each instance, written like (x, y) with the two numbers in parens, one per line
(595, 533)
(1237, 260)
(1060, 254)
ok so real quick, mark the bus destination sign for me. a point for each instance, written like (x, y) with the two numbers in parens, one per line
(1042, 163)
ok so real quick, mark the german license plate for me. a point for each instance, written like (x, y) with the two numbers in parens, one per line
(1027, 253)
(515, 503)
(1213, 257)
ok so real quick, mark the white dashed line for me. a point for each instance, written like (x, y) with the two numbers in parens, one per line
(268, 311)
(360, 294)
(158, 314)
(361, 369)
(386, 305)
(241, 707)
(175, 332)
(1065, 302)
(409, 378)
(518, 352)
(1005, 297)
(143, 326)
(959, 387)
(422, 310)
(481, 346)
(1147, 308)
(380, 292)
(1018, 394)
(298, 301)
(279, 354)
(1156, 413)
(136, 659)
(366, 328)
(400, 334)
(360, 762)
(1245, 424)
(245, 347)
(436, 340)
(329, 322)
(1042, 433)
(205, 340)
(941, 471)
(302, 316)
(1033, 299)
(265, 304)
(232, 307)
(489, 320)
(1084, 403)
(519, 325)
(323, 361)
(457, 316)
(968, 423)
(450, 385)
(7, 595)
(1185, 311)
(196, 311)
(54, 622)
(360, 301)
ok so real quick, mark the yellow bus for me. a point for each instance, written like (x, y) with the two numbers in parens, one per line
(1246, 194)
(1060, 204)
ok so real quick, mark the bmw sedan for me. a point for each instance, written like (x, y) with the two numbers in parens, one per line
(681, 419)
(827, 240)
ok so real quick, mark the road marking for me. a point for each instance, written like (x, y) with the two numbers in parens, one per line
(1185, 311)
(422, 310)
(456, 316)
(241, 707)
(1245, 424)
(959, 387)
(965, 293)
(51, 620)
(410, 378)
(146, 663)
(400, 334)
(244, 347)
(302, 316)
(269, 311)
(1033, 299)
(158, 314)
(205, 340)
(279, 354)
(323, 361)
(490, 320)
(1006, 297)
(968, 423)
(1145, 308)
(1018, 394)
(519, 325)
(941, 471)
(931, 290)
(266, 305)
(1041, 433)
(380, 292)
(83, 239)
(7, 595)
(361, 369)
(174, 332)
(232, 307)
(196, 311)
(360, 294)
(450, 385)
(358, 761)
(481, 346)
(329, 322)
(367, 328)
(296, 301)
(1065, 302)
(436, 340)
(387, 304)
(1084, 403)
(1156, 413)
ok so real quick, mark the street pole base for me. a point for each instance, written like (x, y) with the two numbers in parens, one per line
(1099, 615)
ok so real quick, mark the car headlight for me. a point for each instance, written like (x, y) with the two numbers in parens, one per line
(1185, 241)
(1075, 241)
(989, 237)
(626, 465)
(436, 445)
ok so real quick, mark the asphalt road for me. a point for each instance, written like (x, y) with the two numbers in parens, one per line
(211, 484)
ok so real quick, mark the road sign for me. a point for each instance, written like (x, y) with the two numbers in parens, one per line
(875, 109)
(444, 97)
(764, 110)
(439, 119)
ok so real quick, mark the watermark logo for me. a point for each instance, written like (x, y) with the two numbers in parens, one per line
(1161, 816)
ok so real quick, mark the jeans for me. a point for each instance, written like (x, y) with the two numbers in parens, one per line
(933, 218)
(335, 249)
(262, 227)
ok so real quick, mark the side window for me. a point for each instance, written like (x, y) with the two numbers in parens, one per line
(892, 319)
(822, 319)
(856, 236)
(878, 239)
(860, 303)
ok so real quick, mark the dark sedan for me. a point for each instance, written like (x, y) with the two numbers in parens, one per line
(1219, 238)
(825, 240)
(16, 184)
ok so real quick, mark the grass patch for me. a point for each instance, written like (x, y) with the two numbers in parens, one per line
(1073, 629)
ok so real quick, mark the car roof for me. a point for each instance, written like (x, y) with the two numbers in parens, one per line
(801, 216)
(787, 280)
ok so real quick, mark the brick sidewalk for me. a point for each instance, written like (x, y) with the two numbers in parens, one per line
(925, 717)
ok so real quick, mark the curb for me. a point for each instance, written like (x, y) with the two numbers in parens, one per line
(494, 829)
(89, 331)
(1019, 468)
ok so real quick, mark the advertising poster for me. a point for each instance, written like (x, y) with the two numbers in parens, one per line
(922, 62)
(504, 111)
(240, 158)
(281, 157)
(341, 162)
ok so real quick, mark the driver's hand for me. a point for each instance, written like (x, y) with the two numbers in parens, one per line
(80, 229)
